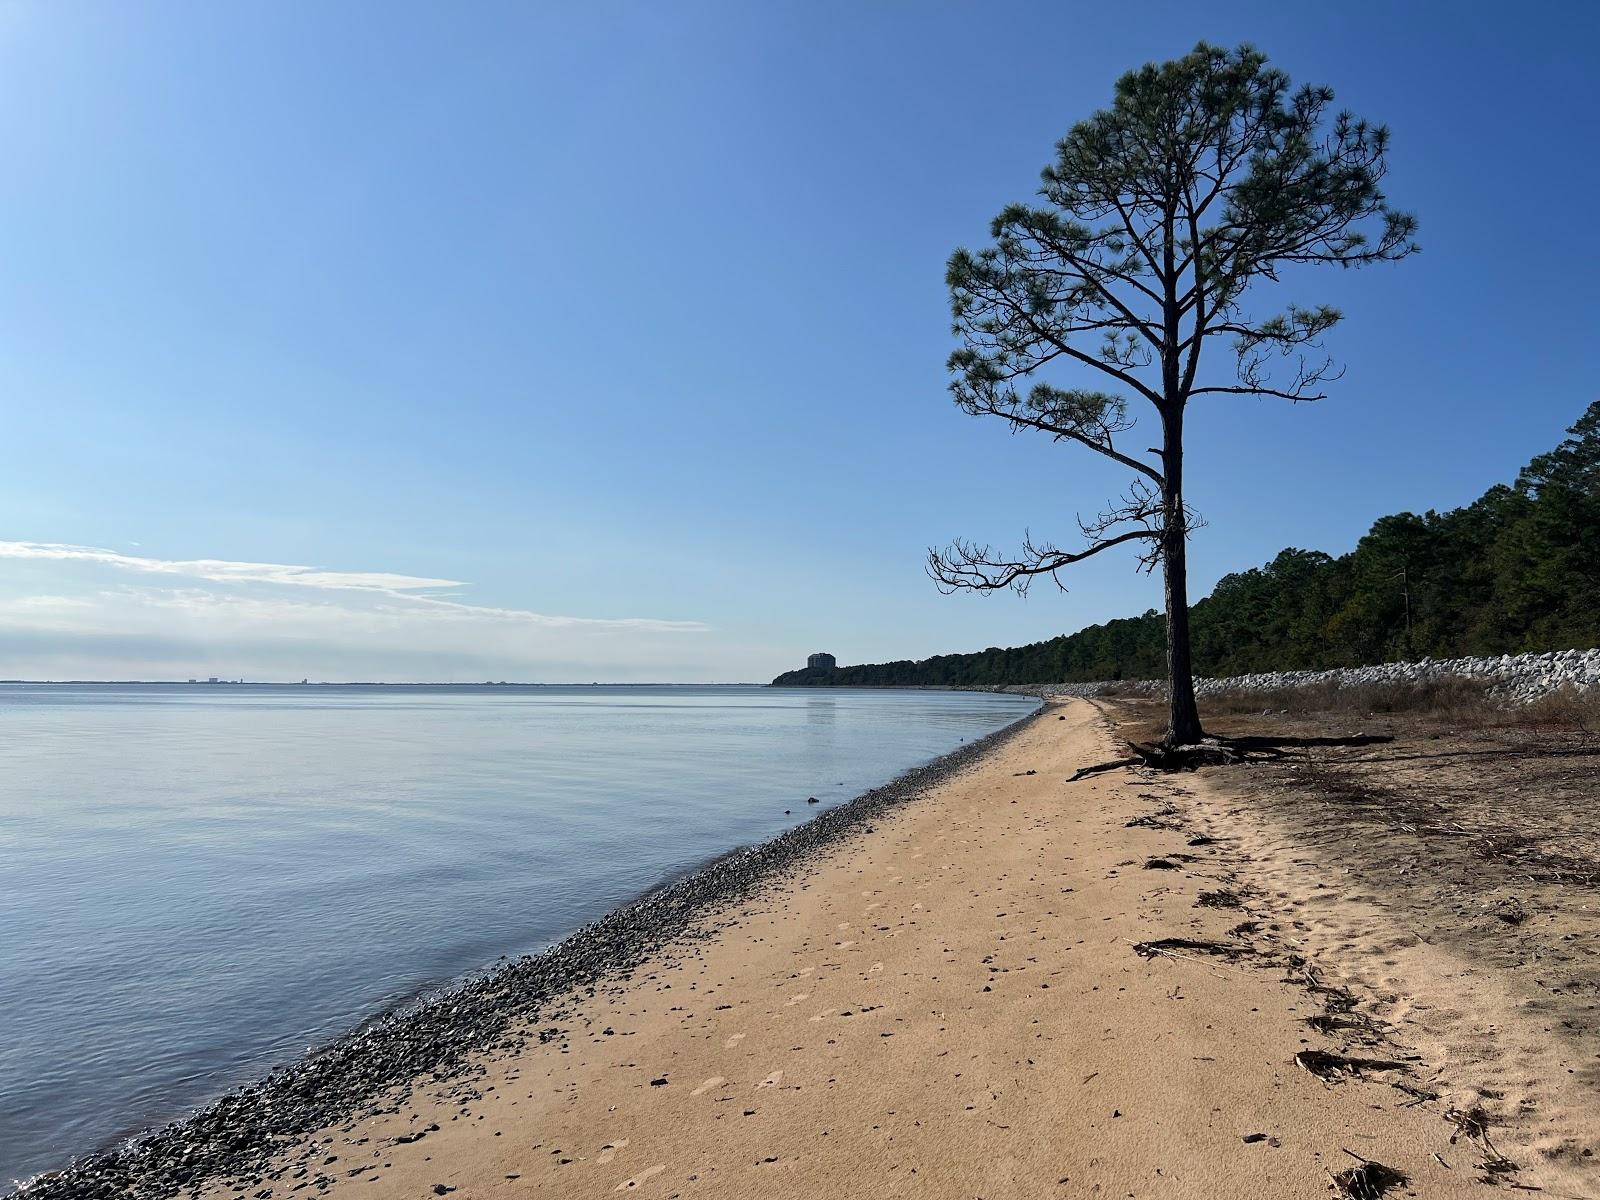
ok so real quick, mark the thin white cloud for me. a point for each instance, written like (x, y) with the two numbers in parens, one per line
(409, 593)
(223, 571)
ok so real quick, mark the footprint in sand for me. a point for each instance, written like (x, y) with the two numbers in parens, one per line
(609, 1151)
(877, 966)
(800, 999)
(707, 1086)
(733, 1041)
(802, 973)
(627, 1185)
(845, 945)
(771, 1080)
(823, 1015)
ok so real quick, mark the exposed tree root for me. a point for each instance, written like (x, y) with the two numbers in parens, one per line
(1101, 768)
(1216, 752)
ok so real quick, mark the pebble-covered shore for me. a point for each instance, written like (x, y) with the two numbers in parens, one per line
(1515, 678)
(437, 1038)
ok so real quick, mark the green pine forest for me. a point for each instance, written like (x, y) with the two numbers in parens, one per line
(1517, 570)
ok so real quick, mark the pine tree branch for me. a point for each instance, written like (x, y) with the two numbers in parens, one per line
(969, 566)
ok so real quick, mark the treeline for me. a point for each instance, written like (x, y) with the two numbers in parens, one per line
(1517, 570)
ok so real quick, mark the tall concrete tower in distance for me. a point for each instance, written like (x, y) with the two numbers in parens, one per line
(821, 662)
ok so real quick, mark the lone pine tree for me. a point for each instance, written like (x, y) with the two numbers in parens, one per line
(1206, 177)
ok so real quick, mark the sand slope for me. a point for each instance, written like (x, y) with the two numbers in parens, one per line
(948, 1006)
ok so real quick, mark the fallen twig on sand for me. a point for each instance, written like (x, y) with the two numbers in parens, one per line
(1369, 1180)
(1165, 818)
(1325, 1064)
(1419, 1095)
(1473, 1124)
(1174, 947)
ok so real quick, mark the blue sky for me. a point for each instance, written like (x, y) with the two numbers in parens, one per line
(606, 341)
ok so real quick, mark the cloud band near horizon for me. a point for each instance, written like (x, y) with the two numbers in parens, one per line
(418, 593)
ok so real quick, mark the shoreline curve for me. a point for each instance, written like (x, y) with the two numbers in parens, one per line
(436, 1034)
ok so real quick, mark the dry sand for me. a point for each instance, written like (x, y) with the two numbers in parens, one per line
(950, 1005)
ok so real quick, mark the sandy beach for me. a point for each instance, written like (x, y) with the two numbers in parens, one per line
(1010, 987)
(709, 602)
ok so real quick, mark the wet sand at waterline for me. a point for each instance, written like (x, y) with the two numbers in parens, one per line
(955, 1004)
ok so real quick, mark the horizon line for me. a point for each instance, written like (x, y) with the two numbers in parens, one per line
(388, 683)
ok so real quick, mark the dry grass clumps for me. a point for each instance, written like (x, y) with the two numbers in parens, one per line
(1451, 698)
(1455, 700)
(1567, 708)
(1113, 691)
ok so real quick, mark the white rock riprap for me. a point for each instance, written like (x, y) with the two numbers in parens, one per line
(1515, 678)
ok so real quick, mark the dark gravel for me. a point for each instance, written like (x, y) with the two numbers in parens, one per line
(438, 1037)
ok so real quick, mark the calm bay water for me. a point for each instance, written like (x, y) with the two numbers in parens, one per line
(199, 882)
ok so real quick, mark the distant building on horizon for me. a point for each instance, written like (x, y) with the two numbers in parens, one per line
(822, 662)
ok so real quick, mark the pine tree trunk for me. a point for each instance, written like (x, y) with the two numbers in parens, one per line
(1183, 719)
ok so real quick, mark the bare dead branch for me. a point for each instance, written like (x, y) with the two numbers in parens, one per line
(970, 566)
